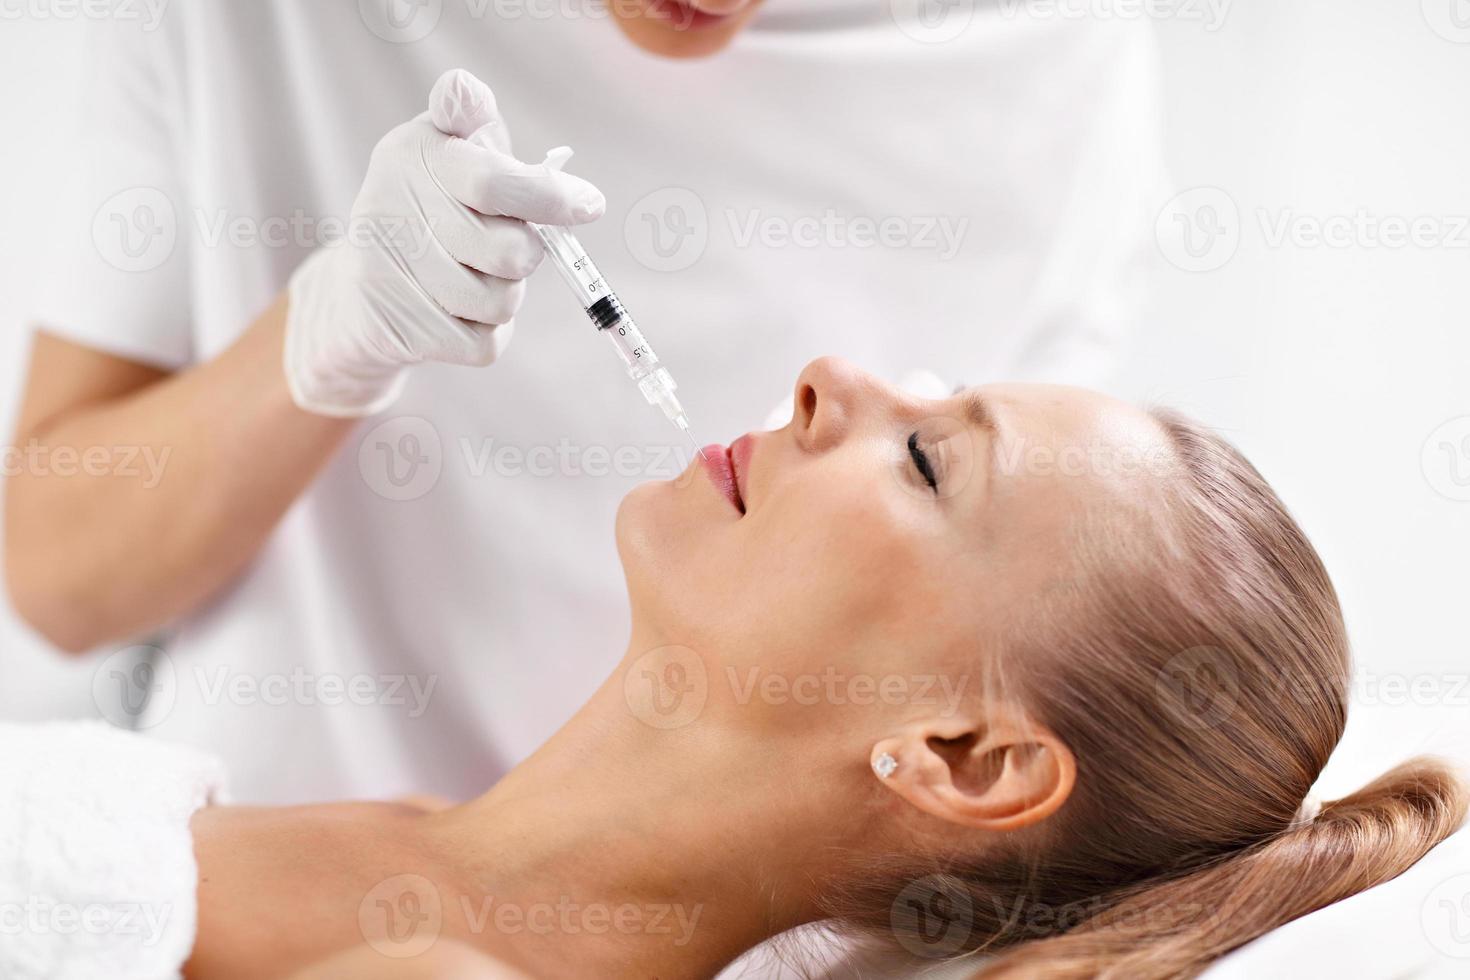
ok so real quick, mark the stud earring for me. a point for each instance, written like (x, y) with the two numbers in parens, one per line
(884, 765)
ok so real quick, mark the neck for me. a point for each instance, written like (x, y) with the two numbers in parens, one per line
(622, 849)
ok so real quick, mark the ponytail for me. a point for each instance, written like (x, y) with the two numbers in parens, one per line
(1176, 927)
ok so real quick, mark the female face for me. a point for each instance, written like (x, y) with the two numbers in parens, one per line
(682, 28)
(881, 535)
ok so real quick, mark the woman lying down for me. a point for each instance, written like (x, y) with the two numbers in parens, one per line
(1028, 672)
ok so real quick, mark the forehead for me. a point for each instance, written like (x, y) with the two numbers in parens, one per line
(1074, 443)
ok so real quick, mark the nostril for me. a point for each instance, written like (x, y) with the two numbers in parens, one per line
(808, 402)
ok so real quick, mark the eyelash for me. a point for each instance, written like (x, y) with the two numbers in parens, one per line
(921, 462)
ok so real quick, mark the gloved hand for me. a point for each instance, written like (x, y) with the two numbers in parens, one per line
(435, 262)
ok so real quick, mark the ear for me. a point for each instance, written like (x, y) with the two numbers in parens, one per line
(996, 773)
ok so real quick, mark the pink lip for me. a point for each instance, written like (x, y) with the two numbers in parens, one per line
(718, 464)
(740, 452)
(682, 16)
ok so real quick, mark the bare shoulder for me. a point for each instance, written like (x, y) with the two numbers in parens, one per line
(282, 888)
(447, 959)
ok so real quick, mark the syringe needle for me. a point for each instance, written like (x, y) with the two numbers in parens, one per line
(695, 443)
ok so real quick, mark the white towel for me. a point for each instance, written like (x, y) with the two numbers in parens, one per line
(97, 871)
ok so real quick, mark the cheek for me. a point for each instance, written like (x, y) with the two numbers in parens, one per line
(817, 582)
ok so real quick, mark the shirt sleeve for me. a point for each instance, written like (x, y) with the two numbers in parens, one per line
(117, 273)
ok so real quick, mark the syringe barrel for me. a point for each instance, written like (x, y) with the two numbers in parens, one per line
(610, 318)
(573, 264)
(637, 354)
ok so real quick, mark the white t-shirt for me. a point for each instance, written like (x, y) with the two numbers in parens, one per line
(448, 591)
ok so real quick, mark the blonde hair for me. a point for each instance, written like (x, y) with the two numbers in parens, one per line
(1202, 684)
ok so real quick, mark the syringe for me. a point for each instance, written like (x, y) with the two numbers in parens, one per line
(609, 316)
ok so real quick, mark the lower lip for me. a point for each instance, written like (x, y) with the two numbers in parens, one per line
(683, 17)
(716, 463)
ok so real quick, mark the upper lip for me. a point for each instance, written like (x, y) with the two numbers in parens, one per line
(727, 468)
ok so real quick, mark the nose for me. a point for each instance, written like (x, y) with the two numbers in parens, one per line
(826, 402)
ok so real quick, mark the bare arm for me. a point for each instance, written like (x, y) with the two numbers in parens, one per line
(133, 494)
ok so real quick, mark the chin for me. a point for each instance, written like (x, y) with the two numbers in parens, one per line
(643, 534)
(666, 41)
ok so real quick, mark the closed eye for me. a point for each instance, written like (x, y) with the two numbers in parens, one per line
(921, 462)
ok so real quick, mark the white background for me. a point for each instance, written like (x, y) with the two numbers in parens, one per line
(1330, 366)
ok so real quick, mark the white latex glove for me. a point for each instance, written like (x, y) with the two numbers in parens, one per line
(924, 384)
(435, 262)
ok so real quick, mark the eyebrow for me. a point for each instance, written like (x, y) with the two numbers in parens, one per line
(978, 411)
